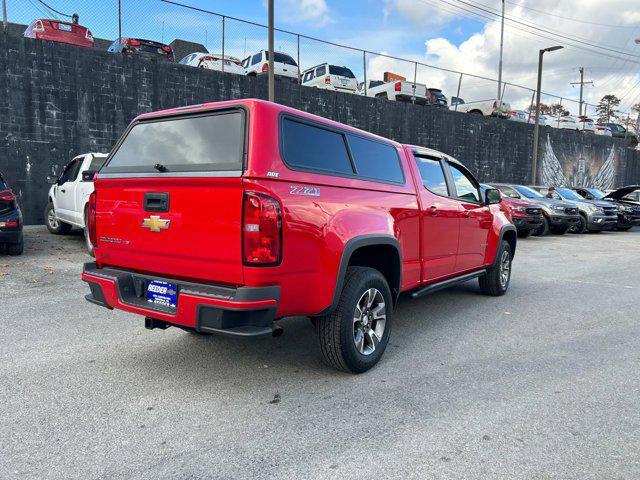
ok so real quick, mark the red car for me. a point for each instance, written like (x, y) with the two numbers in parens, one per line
(226, 217)
(61, 32)
(525, 215)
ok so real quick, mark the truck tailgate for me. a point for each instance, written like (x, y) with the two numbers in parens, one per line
(198, 236)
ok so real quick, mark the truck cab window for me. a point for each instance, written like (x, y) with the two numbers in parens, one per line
(465, 186)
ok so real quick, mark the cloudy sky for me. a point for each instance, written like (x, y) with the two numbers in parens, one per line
(460, 35)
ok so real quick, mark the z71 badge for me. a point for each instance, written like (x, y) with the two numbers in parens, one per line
(307, 191)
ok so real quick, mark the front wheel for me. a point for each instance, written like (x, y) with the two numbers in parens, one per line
(354, 337)
(496, 281)
(581, 227)
(54, 225)
(542, 229)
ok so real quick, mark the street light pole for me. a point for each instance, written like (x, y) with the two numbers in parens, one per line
(501, 48)
(271, 76)
(536, 128)
(4, 14)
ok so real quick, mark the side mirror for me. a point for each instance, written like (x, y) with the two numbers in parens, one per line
(492, 196)
(88, 176)
(52, 179)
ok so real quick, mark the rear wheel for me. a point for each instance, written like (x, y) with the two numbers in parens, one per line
(54, 225)
(87, 238)
(476, 112)
(354, 337)
(496, 281)
(542, 229)
(16, 248)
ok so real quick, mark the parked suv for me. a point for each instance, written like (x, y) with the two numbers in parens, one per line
(557, 216)
(595, 216)
(330, 77)
(283, 65)
(287, 214)
(68, 200)
(628, 212)
(10, 221)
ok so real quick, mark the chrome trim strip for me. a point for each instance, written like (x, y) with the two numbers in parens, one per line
(230, 174)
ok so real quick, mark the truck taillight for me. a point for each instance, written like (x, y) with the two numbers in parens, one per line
(327, 80)
(495, 105)
(265, 68)
(91, 219)
(88, 35)
(38, 26)
(398, 86)
(261, 230)
(132, 42)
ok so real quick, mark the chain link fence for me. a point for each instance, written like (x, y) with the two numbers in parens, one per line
(190, 29)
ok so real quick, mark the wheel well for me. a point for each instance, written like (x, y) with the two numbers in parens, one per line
(479, 112)
(511, 238)
(385, 259)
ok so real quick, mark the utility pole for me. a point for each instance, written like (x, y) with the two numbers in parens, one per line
(119, 24)
(271, 76)
(4, 14)
(582, 83)
(536, 128)
(501, 48)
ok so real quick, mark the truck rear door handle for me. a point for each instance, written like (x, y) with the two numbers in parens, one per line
(156, 202)
(63, 190)
(433, 211)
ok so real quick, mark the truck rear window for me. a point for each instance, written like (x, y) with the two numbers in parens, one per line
(211, 142)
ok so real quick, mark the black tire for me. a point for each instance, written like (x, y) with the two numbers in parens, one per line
(558, 230)
(16, 248)
(623, 229)
(524, 233)
(338, 333)
(581, 228)
(87, 240)
(543, 229)
(496, 281)
(476, 112)
(53, 225)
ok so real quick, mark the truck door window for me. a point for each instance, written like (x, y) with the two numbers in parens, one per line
(375, 160)
(256, 58)
(70, 172)
(432, 175)
(320, 71)
(464, 184)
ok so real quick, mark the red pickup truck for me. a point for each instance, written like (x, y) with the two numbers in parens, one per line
(226, 217)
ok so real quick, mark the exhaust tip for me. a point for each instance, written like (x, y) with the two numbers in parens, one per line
(277, 331)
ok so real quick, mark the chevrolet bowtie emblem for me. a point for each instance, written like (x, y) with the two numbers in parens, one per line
(155, 223)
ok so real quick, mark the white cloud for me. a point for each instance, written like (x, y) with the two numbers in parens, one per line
(479, 53)
(296, 11)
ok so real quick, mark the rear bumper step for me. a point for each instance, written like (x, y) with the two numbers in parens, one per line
(243, 311)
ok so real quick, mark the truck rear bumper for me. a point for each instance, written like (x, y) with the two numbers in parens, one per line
(242, 311)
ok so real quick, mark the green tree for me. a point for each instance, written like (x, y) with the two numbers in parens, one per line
(606, 109)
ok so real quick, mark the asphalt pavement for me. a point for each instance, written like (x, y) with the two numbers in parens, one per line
(541, 383)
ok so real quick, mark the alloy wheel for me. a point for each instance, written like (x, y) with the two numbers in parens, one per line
(369, 321)
(505, 269)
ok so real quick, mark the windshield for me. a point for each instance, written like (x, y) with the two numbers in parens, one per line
(281, 58)
(527, 192)
(596, 193)
(212, 142)
(569, 194)
(341, 71)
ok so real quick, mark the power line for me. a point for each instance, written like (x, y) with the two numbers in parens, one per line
(568, 18)
(53, 9)
(573, 38)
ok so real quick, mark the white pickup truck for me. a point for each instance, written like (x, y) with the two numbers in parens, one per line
(69, 195)
(488, 108)
(398, 90)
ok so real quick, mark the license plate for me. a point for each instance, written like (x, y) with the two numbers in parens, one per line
(344, 83)
(62, 26)
(162, 294)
